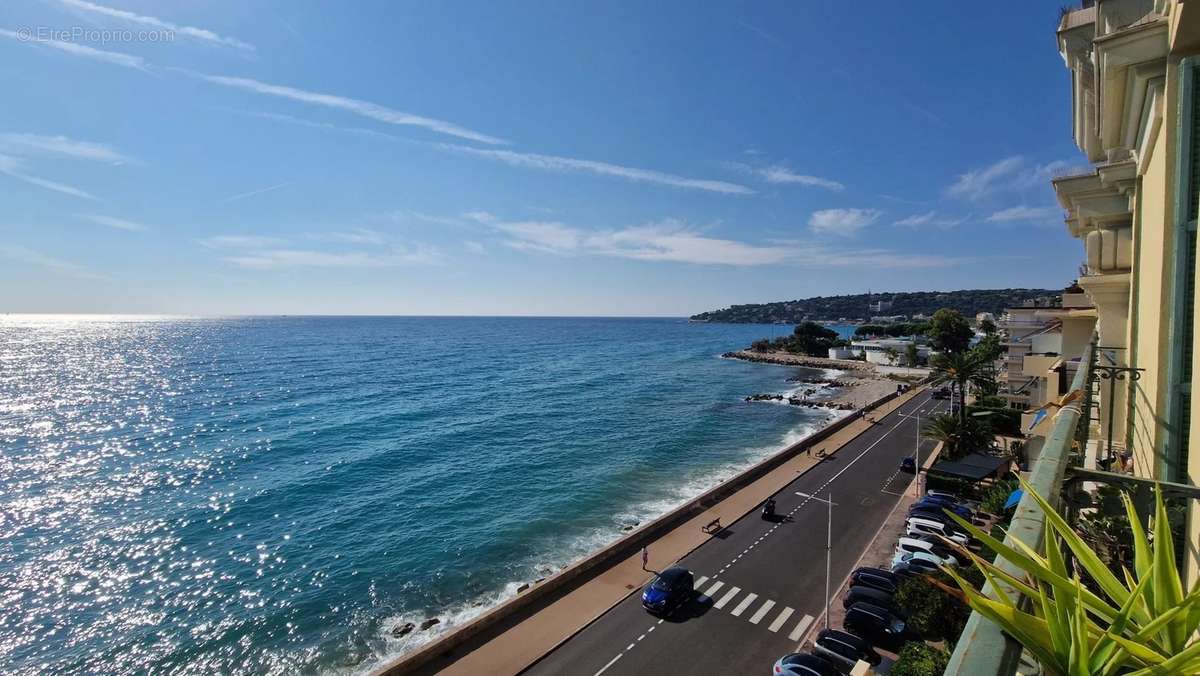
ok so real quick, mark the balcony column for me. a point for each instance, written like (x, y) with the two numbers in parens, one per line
(1110, 294)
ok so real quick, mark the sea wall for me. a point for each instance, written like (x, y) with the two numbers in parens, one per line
(791, 359)
(492, 623)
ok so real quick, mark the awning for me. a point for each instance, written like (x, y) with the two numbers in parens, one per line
(1014, 498)
(973, 467)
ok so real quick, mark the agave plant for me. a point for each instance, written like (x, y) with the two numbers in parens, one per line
(1142, 624)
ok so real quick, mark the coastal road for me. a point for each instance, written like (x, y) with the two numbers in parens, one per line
(761, 584)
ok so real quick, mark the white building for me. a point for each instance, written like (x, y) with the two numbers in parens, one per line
(888, 351)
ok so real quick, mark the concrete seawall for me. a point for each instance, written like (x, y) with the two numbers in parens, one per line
(492, 623)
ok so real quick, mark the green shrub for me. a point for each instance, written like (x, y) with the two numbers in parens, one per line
(918, 659)
(932, 613)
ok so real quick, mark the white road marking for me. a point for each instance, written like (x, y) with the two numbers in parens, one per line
(605, 667)
(629, 647)
(700, 582)
(801, 628)
(766, 608)
(713, 589)
(727, 598)
(783, 617)
(641, 637)
(741, 607)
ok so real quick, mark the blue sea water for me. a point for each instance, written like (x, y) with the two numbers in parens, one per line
(274, 495)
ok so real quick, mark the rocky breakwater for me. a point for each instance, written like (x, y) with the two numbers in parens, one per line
(802, 401)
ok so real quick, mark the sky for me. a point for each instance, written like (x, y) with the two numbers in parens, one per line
(524, 158)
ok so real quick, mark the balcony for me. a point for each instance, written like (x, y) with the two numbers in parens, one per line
(983, 649)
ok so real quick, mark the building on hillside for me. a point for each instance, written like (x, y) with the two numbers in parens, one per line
(879, 306)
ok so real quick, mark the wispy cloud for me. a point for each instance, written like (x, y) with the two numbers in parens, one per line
(931, 219)
(1026, 213)
(21, 254)
(977, 183)
(373, 111)
(1039, 175)
(781, 175)
(271, 253)
(12, 167)
(354, 236)
(115, 223)
(568, 164)
(842, 222)
(666, 241)
(201, 34)
(675, 241)
(83, 51)
(60, 146)
(312, 124)
(240, 241)
(252, 193)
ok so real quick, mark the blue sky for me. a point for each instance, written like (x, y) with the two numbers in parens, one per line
(614, 158)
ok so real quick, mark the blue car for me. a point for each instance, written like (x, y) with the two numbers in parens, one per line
(669, 590)
(937, 505)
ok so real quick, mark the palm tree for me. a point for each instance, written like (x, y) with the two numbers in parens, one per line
(957, 436)
(963, 369)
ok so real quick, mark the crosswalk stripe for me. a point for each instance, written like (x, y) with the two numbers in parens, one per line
(800, 628)
(783, 617)
(741, 607)
(766, 608)
(713, 589)
(727, 598)
(700, 582)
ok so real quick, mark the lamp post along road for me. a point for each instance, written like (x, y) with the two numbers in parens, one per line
(828, 545)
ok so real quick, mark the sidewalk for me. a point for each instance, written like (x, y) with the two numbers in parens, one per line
(522, 644)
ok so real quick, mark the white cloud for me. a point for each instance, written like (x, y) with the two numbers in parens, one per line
(11, 166)
(1040, 175)
(568, 164)
(475, 247)
(931, 218)
(980, 182)
(359, 107)
(61, 146)
(116, 223)
(190, 31)
(83, 51)
(252, 193)
(1024, 213)
(29, 256)
(272, 259)
(779, 174)
(240, 241)
(354, 236)
(842, 221)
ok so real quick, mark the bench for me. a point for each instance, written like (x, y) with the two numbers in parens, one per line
(712, 526)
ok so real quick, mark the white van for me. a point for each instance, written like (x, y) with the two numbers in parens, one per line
(915, 527)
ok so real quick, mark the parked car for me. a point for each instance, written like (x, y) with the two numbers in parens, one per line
(932, 545)
(882, 599)
(917, 527)
(877, 625)
(937, 505)
(805, 664)
(846, 645)
(668, 590)
(931, 514)
(908, 464)
(876, 578)
(941, 393)
(908, 565)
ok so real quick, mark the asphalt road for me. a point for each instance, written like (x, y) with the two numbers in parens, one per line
(760, 584)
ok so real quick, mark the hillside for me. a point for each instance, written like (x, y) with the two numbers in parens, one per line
(855, 307)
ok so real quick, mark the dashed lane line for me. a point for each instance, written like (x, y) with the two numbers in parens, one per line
(610, 663)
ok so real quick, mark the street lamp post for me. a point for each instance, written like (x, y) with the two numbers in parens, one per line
(828, 545)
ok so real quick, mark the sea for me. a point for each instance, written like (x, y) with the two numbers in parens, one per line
(278, 494)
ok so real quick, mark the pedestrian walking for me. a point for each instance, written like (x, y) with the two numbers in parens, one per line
(645, 557)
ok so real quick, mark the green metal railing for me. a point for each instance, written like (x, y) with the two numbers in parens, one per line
(983, 650)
